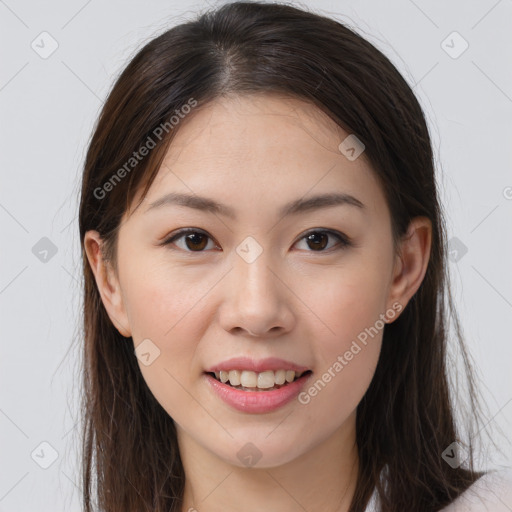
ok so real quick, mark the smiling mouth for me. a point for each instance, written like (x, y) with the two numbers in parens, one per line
(264, 381)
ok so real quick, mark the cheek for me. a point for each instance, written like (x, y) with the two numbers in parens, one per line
(163, 307)
(170, 321)
(336, 390)
(348, 351)
(161, 300)
(349, 307)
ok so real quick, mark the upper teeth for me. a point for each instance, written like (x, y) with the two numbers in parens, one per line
(261, 380)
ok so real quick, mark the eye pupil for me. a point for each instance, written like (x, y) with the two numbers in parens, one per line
(313, 237)
(192, 237)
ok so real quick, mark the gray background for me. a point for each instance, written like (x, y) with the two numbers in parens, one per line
(48, 108)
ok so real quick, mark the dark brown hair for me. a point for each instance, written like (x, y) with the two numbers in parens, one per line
(406, 419)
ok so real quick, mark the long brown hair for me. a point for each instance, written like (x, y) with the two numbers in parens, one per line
(406, 420)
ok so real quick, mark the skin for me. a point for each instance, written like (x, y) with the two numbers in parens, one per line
(295, 301)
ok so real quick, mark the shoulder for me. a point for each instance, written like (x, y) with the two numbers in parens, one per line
(492, 492)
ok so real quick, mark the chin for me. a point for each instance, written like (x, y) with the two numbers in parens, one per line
(259, 451)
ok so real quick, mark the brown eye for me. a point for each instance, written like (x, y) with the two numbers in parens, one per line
(318, 240)
(195, 241)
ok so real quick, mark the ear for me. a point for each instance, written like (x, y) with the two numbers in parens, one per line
(107, 283)
(411, 262)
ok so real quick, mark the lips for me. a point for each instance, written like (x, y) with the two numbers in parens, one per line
(257, 401)
(256, 365)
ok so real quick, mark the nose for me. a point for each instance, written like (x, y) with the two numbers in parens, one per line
(256, 299)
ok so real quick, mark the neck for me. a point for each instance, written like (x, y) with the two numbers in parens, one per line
(322, 478)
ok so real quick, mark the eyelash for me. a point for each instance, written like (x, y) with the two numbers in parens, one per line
(343, 240)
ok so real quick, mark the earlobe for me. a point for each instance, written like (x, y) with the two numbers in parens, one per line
(411, 261)
(107, 283)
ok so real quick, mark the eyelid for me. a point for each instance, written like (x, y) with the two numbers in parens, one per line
(185, 231)
(343, 240)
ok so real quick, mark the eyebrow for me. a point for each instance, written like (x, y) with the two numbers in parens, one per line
(292, 208)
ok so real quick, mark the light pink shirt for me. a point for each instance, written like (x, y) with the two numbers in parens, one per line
(492, 492)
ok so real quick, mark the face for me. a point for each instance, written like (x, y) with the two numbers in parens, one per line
(308, 285)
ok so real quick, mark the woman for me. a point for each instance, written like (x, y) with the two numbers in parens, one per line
(265, 275)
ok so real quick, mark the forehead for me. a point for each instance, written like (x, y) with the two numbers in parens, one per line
(257, 126)
(265, 146)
